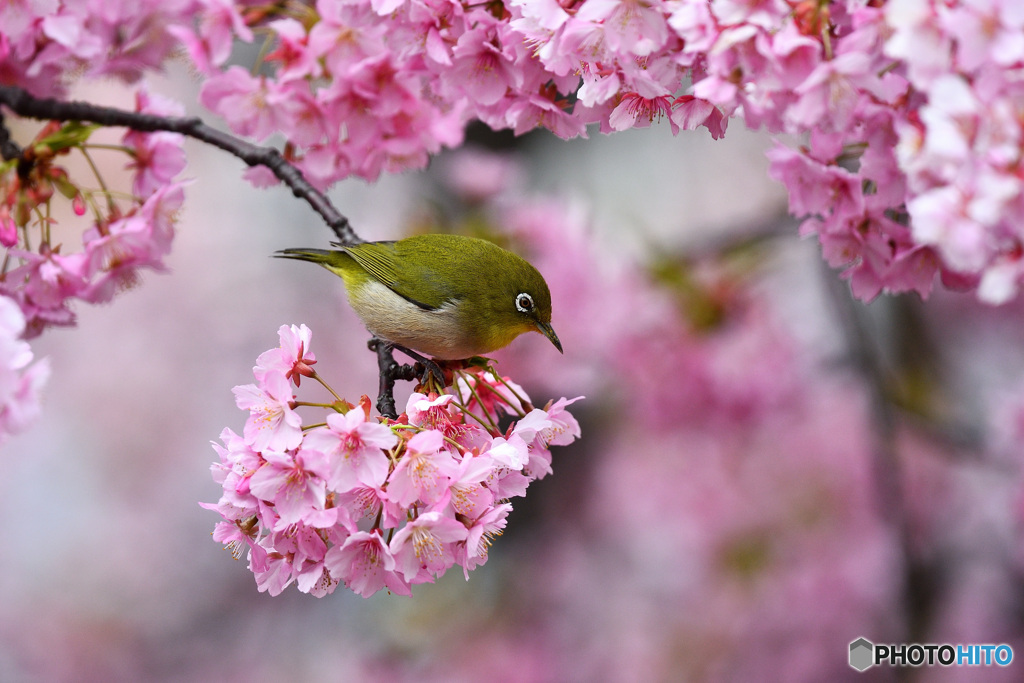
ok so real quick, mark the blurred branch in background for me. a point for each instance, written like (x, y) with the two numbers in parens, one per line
(918, 587)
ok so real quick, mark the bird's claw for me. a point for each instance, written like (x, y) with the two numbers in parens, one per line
(431, 374)
(432, 378)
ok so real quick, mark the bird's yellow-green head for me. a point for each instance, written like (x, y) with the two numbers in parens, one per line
(446, 296)
(514, 300)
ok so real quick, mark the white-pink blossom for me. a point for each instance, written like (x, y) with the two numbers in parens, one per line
(272, 424)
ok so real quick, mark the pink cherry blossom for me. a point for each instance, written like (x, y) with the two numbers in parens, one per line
(245, 101)
(311, 575)
(426, 545)
(636, 27)
(272, 424)
(238, 462)
(481, 534)
(366, 565)
(50, 280)
(291, 358)
(505, 482)
(513, 452)
(221, 24)
(689, 112)
(294, 482)
(532, 425)
(469, 495)
(427, 412)
(275, 575)
(237, 541)
(424, 471)
(542, 110)
(563, 428)
(638, 111)
(293, 55)
(115, 252)
(157, 158)
(113, 257)
(481, 69)
(301, 543)
(355, 448)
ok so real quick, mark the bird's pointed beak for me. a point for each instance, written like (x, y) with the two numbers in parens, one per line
(549, 332)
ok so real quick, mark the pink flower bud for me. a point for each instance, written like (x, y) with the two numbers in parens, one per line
(8, 228)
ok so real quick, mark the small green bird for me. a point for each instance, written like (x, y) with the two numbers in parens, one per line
(445, 296)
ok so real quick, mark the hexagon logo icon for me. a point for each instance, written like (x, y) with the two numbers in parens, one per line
(861, 654)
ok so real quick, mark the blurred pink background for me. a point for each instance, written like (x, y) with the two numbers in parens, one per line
(746, 500)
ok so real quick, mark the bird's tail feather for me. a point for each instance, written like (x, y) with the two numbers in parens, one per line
(321, 256)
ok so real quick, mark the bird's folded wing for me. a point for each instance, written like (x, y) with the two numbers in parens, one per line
(407, 277)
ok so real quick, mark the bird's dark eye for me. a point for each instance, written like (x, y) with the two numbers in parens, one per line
(524, 302)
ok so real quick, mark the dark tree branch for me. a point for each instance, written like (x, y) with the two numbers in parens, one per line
(9, 149)
(390, 371)
(24, 104)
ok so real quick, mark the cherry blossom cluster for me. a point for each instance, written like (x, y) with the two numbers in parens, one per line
(375, 503)
(912, 107)
(45, 45)
(41, 273)
(917, 135)
(962, 150)
(364, 87)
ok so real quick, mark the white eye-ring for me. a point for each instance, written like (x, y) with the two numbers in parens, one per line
(524, 302)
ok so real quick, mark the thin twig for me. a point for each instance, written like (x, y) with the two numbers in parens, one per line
(25, 104)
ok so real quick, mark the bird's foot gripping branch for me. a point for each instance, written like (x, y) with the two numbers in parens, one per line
(433, 375)
(375, 502)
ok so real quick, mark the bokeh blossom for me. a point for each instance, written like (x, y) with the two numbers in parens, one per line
(21, 380)
(370, 502)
